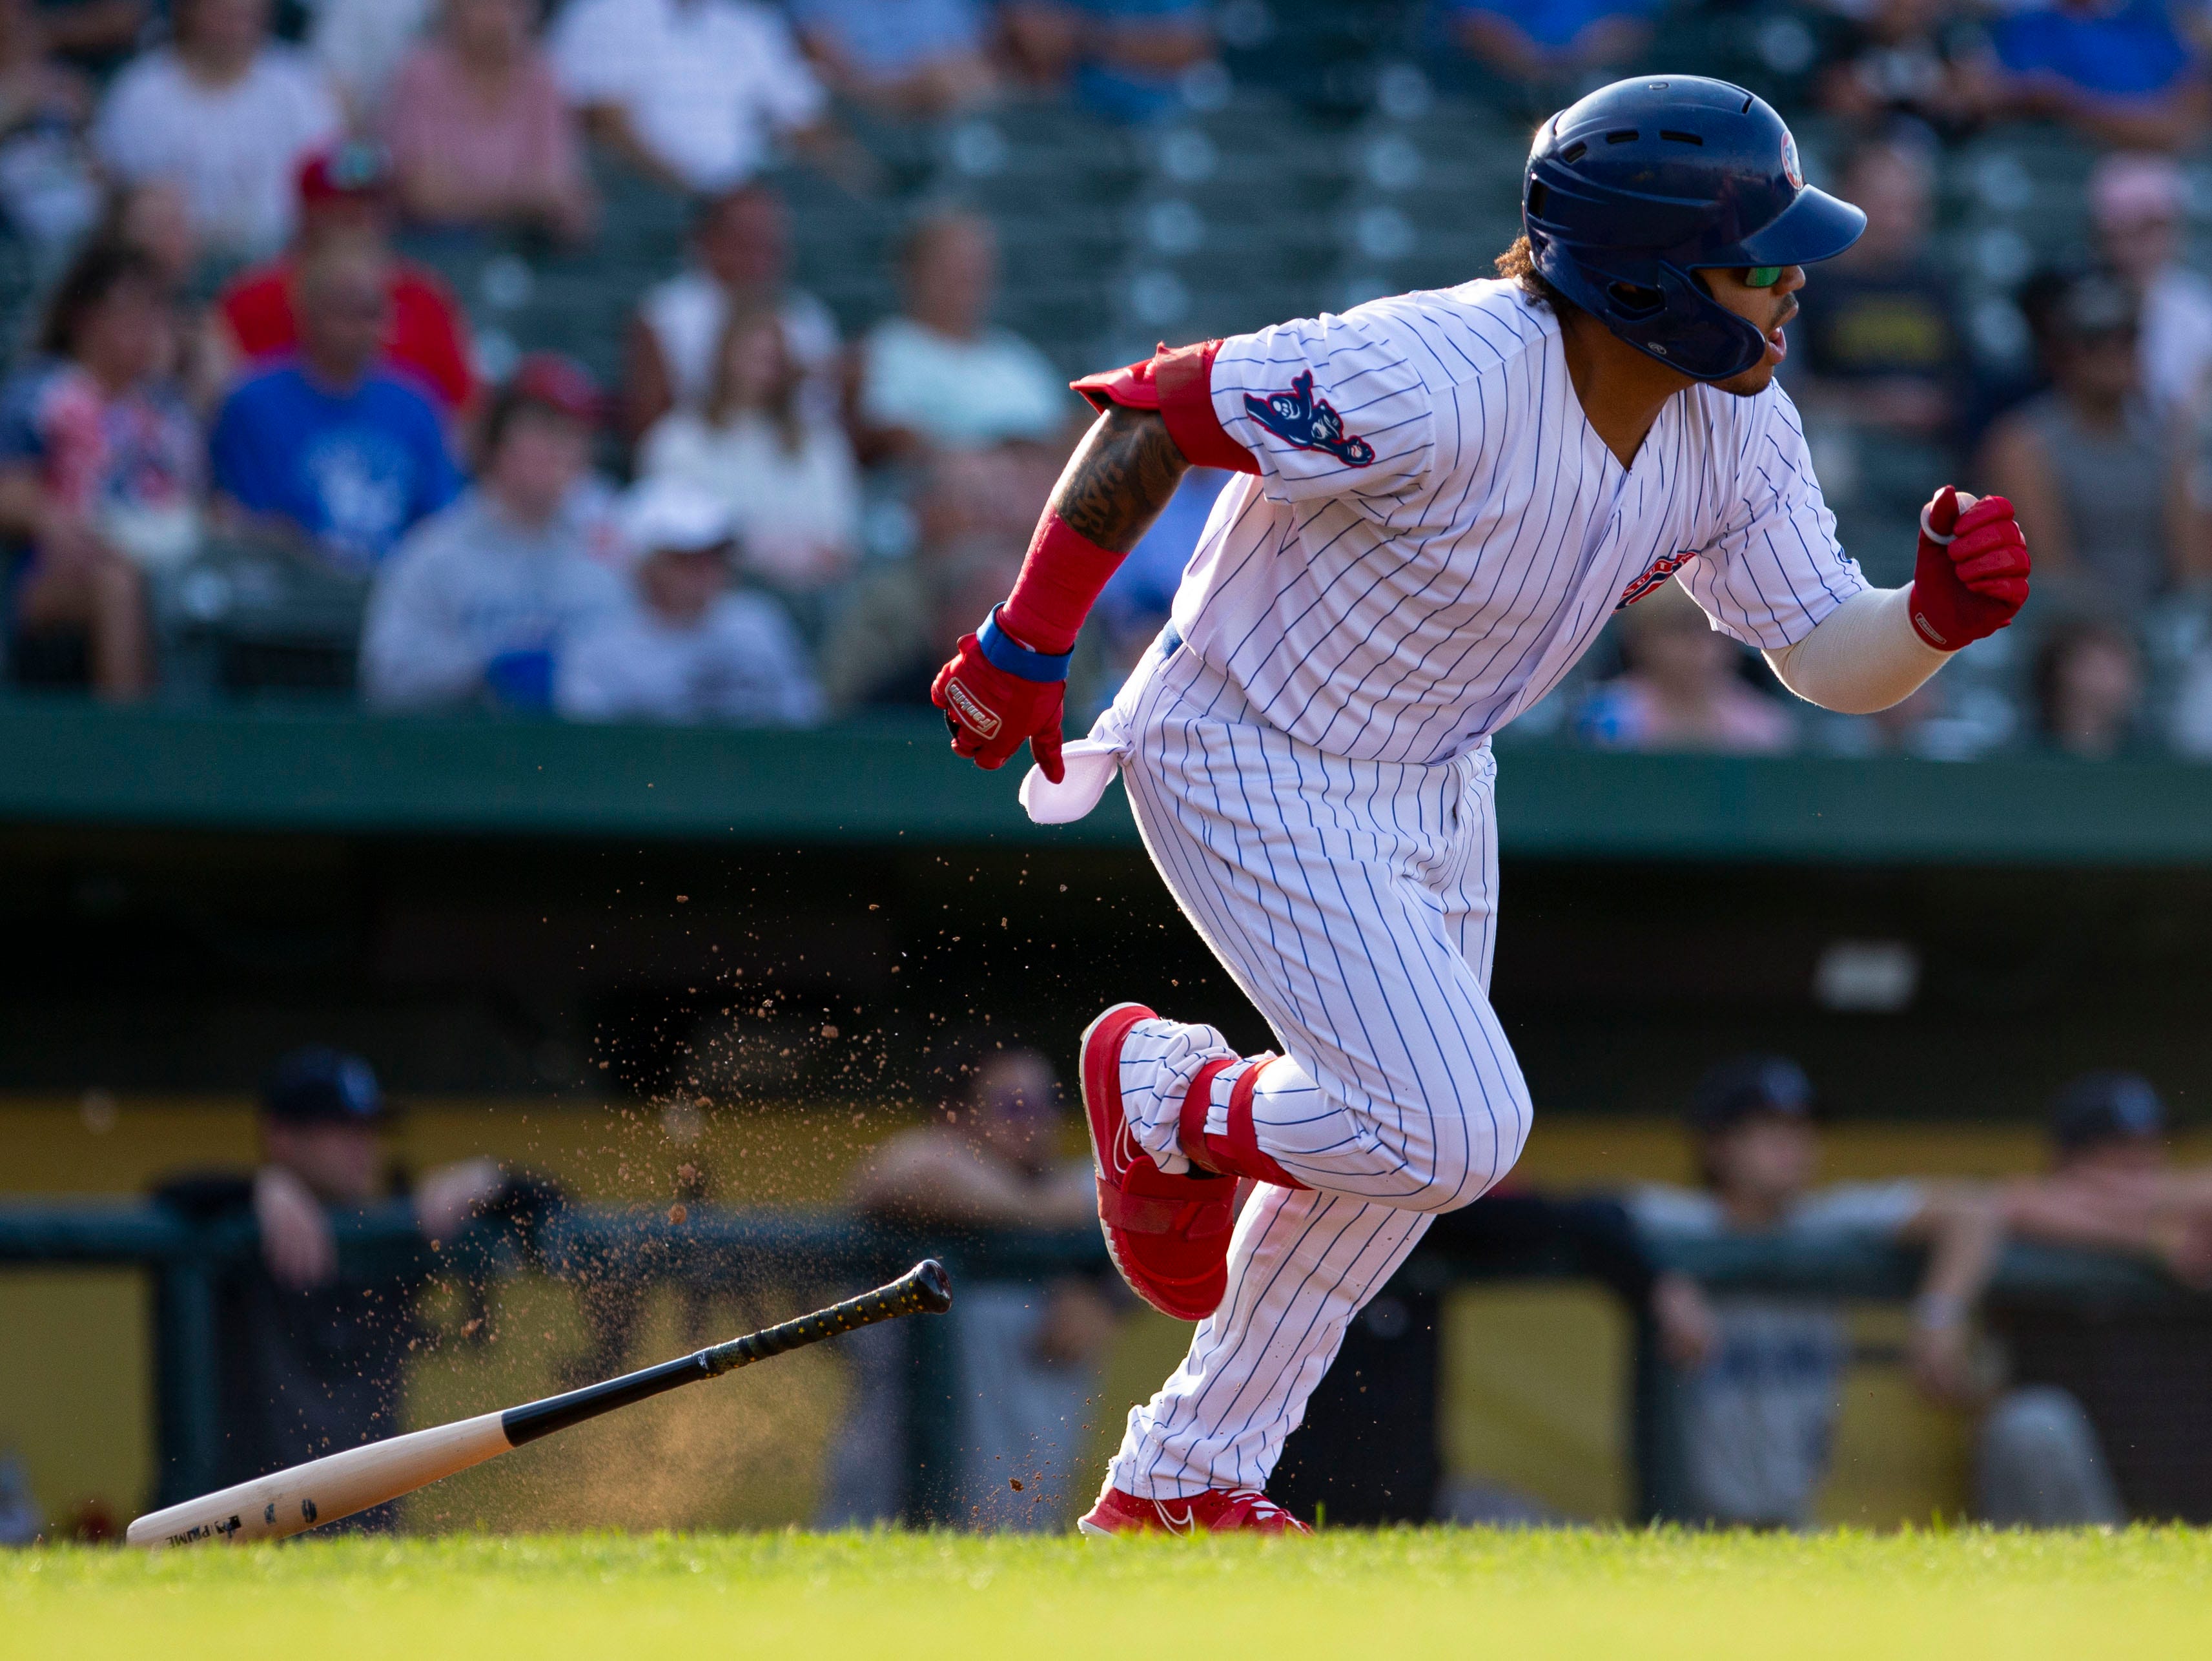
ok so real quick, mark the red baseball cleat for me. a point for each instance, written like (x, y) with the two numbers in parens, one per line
(1167, 1235)
(1216, 1511)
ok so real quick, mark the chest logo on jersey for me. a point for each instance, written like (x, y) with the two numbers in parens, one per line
(1654, 574)
(1299, 418)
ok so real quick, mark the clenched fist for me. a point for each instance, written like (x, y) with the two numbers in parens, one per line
(993, 711)
(1971, 576)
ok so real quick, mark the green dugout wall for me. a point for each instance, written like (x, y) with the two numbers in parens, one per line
(504, 906)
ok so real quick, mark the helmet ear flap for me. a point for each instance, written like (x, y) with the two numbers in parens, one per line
(1696, 333)
(1632, 302)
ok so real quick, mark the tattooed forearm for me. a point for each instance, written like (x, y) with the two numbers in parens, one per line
(1118, 478)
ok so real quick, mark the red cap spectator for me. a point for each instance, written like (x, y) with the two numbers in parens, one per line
(560, 383)
(354, 172)
(346, 191)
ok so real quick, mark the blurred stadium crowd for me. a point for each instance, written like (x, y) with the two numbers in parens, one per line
(702, 360)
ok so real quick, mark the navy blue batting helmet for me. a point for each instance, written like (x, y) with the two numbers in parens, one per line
(1645, 181)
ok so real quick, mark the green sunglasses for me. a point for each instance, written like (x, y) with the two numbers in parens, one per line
(1762, 276)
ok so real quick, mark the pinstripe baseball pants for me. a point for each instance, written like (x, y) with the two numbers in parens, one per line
(1353, 902)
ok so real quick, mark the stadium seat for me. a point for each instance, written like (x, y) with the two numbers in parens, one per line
(250, 615)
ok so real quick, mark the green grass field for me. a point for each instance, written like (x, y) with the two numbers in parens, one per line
(1624, 1596)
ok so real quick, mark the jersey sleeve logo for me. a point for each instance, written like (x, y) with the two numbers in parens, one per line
(1306, 422)
(1654, 574)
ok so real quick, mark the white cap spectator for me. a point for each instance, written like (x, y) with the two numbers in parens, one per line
(688, 648)
(673, 515)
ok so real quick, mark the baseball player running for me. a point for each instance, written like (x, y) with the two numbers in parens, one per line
(1445, 495)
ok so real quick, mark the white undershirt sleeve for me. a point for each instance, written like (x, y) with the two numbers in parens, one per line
(1863, 656)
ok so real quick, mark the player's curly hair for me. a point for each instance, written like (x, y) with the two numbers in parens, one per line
(1518, 265)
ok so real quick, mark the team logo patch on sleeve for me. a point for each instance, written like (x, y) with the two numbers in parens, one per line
(1654, 574)
(1300, 419)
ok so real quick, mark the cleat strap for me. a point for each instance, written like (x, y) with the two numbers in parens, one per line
(1190, 1123)
(1239, 1153)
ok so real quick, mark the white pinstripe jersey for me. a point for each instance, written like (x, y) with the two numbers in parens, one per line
(1437, 532)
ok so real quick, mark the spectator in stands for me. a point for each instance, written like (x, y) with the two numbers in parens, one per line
(227, 114)
(49, 189)
(97, 35)
(2189, 722)
(1030, 1356)
(100, 468)
(919, 58)
(2088, 684)
(2136, 202)
(1368, 1449)
(740, 262)
(153, 218)
(1919, 60)
(313, 1353)
(1883, 348)
(939, 374)
(1762, 1409)
(1680, 690)
(479, 134)
(787, 477)
(693, 93)
(2119, 71)
(2091, 472)
(329, 446)
(1125, 58)
(22, 1520)
(1549, 42)
(883, 648)
(346, 197)
(689, 647)
(2112, 1185)
(360, 45)
(479, 605)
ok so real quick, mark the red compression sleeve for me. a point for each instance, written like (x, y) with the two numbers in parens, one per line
(1060, 583)
(1179, 384)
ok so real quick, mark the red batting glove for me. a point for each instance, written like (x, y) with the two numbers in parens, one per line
(991, 711)
(1971, 576)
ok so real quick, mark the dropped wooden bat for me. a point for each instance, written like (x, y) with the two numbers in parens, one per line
(287, 1502)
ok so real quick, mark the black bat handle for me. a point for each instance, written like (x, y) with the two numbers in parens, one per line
(924, 1289)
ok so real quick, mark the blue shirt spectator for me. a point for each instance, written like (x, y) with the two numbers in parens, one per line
(2130, 50)
(329, 443)
(353, 469)
(920, 58)
(1126, 58)
(1536, 39)
(2118, 70)
(1555, 24)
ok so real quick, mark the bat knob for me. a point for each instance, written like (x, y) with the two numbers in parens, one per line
(932, 1285)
